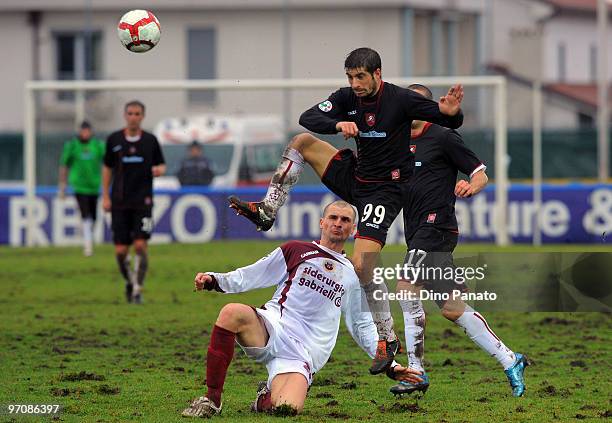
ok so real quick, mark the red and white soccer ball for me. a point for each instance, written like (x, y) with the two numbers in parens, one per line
(139, 30)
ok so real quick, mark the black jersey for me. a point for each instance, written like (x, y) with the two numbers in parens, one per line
(439, 153)
(384, 127)
(132, 162)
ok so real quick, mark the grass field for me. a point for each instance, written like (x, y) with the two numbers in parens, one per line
(68, 338)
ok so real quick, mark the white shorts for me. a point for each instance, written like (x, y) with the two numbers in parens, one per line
(282, 353)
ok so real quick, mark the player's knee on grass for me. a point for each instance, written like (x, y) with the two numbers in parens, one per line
(289, 390)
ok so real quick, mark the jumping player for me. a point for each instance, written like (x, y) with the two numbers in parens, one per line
(430, 226)
(294, 333)
(378, 115)
(133, 158)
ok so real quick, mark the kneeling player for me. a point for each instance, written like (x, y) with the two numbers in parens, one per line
(294, 333)
(431, 229)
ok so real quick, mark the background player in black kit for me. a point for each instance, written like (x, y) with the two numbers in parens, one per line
(430, 225)
(133, 157)
(378, 115)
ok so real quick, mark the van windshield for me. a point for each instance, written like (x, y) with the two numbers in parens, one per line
(219, 156)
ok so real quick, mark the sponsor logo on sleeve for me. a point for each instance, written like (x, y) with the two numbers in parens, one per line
(325, 106)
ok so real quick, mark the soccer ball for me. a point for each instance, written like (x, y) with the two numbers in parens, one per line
(139, 31)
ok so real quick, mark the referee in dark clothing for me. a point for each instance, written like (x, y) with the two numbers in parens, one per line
(431, 231)
(133, 158)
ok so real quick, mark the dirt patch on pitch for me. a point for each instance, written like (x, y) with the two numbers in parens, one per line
(75, 377)
(108, 390)
(400, 407)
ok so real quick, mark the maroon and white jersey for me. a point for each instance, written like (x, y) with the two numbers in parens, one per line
(314, 286)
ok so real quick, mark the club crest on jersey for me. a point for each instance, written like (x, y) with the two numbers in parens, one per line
(132, 150)
(413, 148)
(395, 174)
(329, 265)
(370, 119)
(431, 218)
(325, 106)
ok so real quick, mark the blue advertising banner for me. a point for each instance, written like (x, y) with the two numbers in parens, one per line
(575, 213)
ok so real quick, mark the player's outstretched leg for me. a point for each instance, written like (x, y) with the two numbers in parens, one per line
(263, 213)
(365, 258)
(515, 375)
(478, 330)
(414, 328)
(302, 148)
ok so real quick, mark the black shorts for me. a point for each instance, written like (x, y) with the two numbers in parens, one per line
(378, 203)
(438, 246)
(88, 204)
(131, 224)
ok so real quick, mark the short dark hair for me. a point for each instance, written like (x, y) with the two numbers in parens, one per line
(343, 204)
(85, 125)
(426, 92)
(135, 103)
(363, 57)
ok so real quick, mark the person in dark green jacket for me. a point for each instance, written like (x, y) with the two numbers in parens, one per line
(81, 167)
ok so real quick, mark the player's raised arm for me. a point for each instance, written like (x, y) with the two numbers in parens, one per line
(268, 271)
(446, 113)
(322, 118)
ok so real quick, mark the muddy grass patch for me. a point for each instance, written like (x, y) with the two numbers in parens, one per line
(83, 375)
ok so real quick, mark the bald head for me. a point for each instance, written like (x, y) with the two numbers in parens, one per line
(340, 204)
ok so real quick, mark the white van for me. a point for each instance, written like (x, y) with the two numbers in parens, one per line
(243, 149)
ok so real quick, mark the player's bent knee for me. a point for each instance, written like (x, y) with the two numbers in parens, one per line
(451, 315)
(229, 315)
(234, 316)
(302, 141)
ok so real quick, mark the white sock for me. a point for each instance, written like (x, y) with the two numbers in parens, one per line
(414, 327)
(87, 232)
(380, 309)
(476, 327)
(286, 175)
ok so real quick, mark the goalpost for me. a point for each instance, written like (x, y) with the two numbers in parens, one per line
(497, 83)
